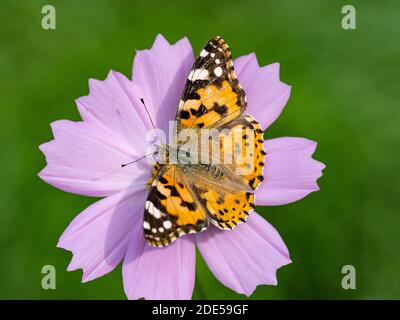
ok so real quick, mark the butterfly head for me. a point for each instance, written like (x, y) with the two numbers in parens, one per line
(173, 154)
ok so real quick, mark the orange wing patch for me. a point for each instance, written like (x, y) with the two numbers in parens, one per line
(215, 106)
(226, 209)
(248, 155)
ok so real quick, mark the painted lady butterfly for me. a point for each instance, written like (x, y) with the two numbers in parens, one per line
(185, 198)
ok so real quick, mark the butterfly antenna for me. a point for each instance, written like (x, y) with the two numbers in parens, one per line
(141, 158)
(151, 120)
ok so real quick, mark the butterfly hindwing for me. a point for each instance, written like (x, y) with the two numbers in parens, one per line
(248, 155)
(226, 208)
(171, 210)
(228, 199)
(212, 94)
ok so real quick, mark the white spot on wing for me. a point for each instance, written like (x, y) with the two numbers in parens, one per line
(150, 208)
(167, 224)
(218, 71)
(198, 74)
(203, 53)
(156, 213)
(146, 225)
(153, 210)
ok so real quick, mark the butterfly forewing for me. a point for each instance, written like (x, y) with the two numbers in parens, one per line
(171, 209)
(212, 94)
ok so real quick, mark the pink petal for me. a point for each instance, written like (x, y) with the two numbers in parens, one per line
(159, 273)
(99, 236)
(161, 73)
(266, 94)
(114, 105)
(245, 257)
(85, 158)
(289, 173)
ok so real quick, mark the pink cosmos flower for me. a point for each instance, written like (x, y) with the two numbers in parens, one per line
(85, 158)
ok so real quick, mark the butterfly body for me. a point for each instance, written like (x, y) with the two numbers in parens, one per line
(208, 175)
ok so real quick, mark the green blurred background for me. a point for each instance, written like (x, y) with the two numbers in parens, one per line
(345, 84)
